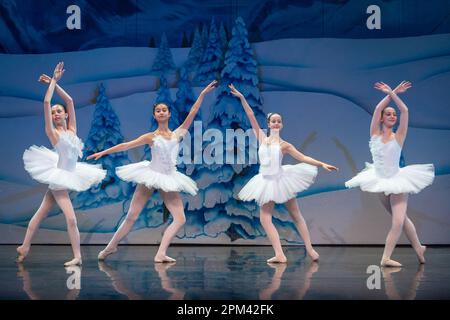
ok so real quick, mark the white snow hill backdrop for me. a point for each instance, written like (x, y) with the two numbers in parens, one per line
(323, 87)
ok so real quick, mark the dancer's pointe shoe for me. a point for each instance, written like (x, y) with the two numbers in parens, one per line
(106, 252)
(420, 271)
(276, 259)
(22, 254)
(103, 266)
(390, 263)
(163, 259)
(313, 268)
(314, 255)
(279, 267)
(22, 272)
(421, 255)
(160, 267)
(73, 262)
(386, 271)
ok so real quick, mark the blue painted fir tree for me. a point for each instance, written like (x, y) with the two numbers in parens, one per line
(185, 96)
(195, 53)
(223, 41)
(211, 63)
(222, 213)
(204, 36)
(163, 62)
(185, 99)
(241, 70)
(104, 133)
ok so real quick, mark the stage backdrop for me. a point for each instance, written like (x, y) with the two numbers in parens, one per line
(315, 62)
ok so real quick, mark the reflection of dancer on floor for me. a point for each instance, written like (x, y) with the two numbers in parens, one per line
(266, 294)
(27, 284)
(117, 281)
(385, 175)
(59, 169)
(276, 183)
(160, 174)
(390, 288)
(26, 280)
(166, 282)
(312, 268)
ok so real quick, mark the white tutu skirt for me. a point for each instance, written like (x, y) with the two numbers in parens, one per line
(409, 179)
(293, 179)
(41, 164)
(142, 173)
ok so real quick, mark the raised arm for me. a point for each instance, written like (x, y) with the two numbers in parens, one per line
(182, 129)
(144, 139)
(291, 150)
(49, 128)
(402, 129)
(249, 112)
(375, 124)
(68, 101)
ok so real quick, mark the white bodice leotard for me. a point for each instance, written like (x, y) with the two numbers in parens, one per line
(385, 175)
(59, 168)
(161, 172)
(276, 182)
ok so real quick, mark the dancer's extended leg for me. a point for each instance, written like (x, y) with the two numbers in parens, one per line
(47, 203)
(140, 198)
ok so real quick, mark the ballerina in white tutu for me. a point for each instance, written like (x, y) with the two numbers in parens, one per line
(385, 176)
(59, 168)
(276, 183)
(160, 173)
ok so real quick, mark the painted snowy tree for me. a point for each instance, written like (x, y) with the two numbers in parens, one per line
(240, 217)
(163, 62)
(104, 133)
(185, 96)
(195, 53)
(184, 102)
(241, 70)
(217, 183)
(223, 37)
(210, 65)
(204, 36)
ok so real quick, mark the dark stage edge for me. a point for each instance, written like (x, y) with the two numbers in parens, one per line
(224, 273)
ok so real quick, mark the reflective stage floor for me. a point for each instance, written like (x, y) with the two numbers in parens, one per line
(223, 273)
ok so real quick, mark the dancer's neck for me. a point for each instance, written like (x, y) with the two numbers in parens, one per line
(386, 132)
(163, 127)
(60, 129)
(274, 136)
